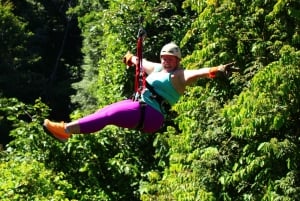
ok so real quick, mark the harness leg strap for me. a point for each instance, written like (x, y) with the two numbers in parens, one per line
(143, 105)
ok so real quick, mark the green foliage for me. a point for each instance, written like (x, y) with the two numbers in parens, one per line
(237, 137)
(28, 179)
(265, 118)
(45, 175)
(108, 163)
(23, 175)
(270, 101)
(14, 37)
(249, 149)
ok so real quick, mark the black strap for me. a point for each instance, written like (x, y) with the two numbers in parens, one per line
(143, 105)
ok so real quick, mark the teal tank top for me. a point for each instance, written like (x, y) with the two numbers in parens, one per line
(161, 82)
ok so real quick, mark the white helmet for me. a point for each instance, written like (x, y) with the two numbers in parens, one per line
(171, 49)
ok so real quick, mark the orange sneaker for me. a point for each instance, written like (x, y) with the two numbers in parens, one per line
(57, 130)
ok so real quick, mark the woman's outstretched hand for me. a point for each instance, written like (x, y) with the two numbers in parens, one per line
(228, 69)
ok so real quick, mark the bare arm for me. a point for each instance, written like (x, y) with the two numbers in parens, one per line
(148, 66)
(182, 78)
(191, 76)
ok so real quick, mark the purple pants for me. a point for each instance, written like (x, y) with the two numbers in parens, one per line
(126, 114)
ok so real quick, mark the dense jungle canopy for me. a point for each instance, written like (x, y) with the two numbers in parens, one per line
(234, 138)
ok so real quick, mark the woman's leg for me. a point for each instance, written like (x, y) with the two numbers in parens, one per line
(124, 114)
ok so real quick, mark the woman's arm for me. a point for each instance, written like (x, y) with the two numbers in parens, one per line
(183, 78)
(148, 66)
(191, 76)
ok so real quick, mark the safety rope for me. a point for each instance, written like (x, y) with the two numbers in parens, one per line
(140, 75)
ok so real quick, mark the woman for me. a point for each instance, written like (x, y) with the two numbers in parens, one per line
(166, 82)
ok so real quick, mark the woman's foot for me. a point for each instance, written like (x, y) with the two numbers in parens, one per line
(57, 130)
